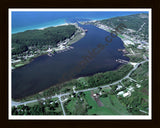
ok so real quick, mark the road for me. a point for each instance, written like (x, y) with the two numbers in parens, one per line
(89, 89)
(62, 106)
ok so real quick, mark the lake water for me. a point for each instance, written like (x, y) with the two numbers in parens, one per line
(46, 71)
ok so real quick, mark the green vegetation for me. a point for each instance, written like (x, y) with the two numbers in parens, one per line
(47, 107)
(78, 35)
(138, 55)
(135, 58)
(98, 79)
(134, 22)
(141, 73)
(76, 105)
(39, 38)
(114, 90)
(107, 100)
(111, 106)
(85, 104)
(127, 82)
(136, 102)
(120, 36)
(139, 98)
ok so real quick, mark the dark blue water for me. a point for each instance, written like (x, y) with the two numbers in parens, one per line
(47, 71)
(22, 21)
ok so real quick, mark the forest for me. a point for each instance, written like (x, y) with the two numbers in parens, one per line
(48, 36)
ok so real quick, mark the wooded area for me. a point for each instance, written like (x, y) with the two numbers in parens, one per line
(49, 36)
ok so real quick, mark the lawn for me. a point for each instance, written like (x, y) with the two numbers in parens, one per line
(88, 106)
(112, 106)
(121, 36)
(19, 65)
(75, 106)
(32, 104)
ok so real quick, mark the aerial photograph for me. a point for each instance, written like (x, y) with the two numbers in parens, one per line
(79, 62)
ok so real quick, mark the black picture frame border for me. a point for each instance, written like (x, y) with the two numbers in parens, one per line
(6, 4)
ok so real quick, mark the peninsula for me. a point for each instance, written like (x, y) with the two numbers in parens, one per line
(33, 43)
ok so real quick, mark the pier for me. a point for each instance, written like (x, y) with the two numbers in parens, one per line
(122, 61)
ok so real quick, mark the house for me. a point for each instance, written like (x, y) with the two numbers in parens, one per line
(131, 89)
(120, 93)
(119, 87)
(127, 94)
(51, 102)
(138, 86)
(49, 50)
(95, 95)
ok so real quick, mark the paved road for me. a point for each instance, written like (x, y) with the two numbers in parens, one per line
(62, 106)
(90, 89)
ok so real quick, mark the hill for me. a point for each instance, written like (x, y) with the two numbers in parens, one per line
(135, 25)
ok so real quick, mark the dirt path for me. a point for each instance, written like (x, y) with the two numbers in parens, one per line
(100, 104)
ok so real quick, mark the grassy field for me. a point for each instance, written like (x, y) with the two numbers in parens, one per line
(32, 104)
(75, 106)
(86, 105)
(19, 65)
(112, 106)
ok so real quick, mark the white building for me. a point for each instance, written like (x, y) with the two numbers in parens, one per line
(131, 89)
(120, 93)
(49, 50)
(127, 94)
(138, 86)
(51, 102)
(119, 87)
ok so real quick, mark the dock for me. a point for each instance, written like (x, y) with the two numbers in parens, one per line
(122, 61)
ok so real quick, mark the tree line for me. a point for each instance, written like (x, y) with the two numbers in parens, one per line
(98, 79)
(49, 36)
(49, 108)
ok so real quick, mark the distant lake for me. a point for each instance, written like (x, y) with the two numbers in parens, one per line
(45, 71)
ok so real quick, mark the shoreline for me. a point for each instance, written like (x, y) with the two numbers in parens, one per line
(62, 46)
(69, 80)
(38, 28)
(33, 96)
(82, 76)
